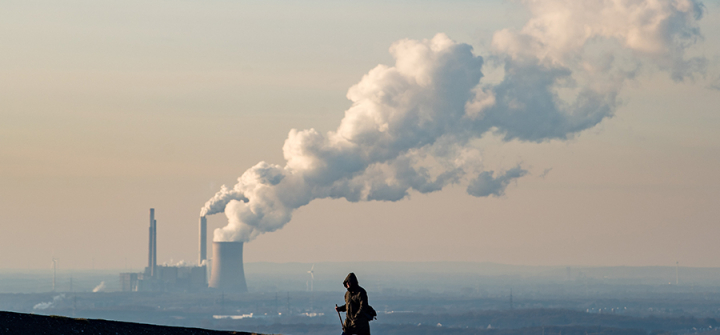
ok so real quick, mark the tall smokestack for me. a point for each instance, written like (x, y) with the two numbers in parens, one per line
(227, 267)
(151, 241)
(154, 248)
(202, 253)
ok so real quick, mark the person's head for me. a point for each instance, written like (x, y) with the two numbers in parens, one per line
(350, 281)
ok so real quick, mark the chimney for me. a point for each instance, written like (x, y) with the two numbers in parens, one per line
(154, 250)
(202, 253)
(152, 241)
(227, 267)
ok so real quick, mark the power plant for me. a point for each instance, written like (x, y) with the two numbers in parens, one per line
(227, 271)
(173, 278)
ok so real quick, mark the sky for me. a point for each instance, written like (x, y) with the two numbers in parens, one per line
(108, 109)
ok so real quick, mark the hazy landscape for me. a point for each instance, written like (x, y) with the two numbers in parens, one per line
(411, 298)
(495, 167)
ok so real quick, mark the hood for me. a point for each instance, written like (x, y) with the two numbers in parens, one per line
(350, 279)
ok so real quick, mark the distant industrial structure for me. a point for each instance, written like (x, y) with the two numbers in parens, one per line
(227, 271)
(202, 253)
(226, 268)
(163, 277)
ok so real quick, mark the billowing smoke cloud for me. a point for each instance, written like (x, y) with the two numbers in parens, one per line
(220, 200)
(565, 31)
(414, 125)
(485, 185)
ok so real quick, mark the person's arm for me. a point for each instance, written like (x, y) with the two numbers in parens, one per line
(363, 303)
(343, 308)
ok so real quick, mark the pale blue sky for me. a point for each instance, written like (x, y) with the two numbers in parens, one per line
(110, 108)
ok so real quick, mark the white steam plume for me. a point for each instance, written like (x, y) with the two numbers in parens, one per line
(563, 31)
(100, 288)
(411, 125)
(220, 200)
(49, 304)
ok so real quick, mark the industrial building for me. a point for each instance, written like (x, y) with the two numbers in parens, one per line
(227, 270)
(160, 277)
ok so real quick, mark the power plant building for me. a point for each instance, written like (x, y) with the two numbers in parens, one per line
(163, 277)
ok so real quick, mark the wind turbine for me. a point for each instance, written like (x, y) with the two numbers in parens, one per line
(312, 277)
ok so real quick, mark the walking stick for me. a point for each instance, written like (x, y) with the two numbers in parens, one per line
(340, 317)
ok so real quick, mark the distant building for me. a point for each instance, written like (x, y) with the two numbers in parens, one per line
(163, 278)
(167, 278)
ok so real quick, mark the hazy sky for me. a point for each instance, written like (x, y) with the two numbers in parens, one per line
(110, 108)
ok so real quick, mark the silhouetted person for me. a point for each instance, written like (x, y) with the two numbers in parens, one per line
(356, 302)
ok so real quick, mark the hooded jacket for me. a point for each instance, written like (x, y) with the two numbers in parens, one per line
(356, 301)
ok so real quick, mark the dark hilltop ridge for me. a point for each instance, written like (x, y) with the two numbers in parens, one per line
(19, 323)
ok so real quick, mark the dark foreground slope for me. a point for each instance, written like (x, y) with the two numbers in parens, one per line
(18, 323)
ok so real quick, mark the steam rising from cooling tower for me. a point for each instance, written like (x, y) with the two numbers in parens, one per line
(415, 125)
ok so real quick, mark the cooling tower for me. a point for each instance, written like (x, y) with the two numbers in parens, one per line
(227, 267)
